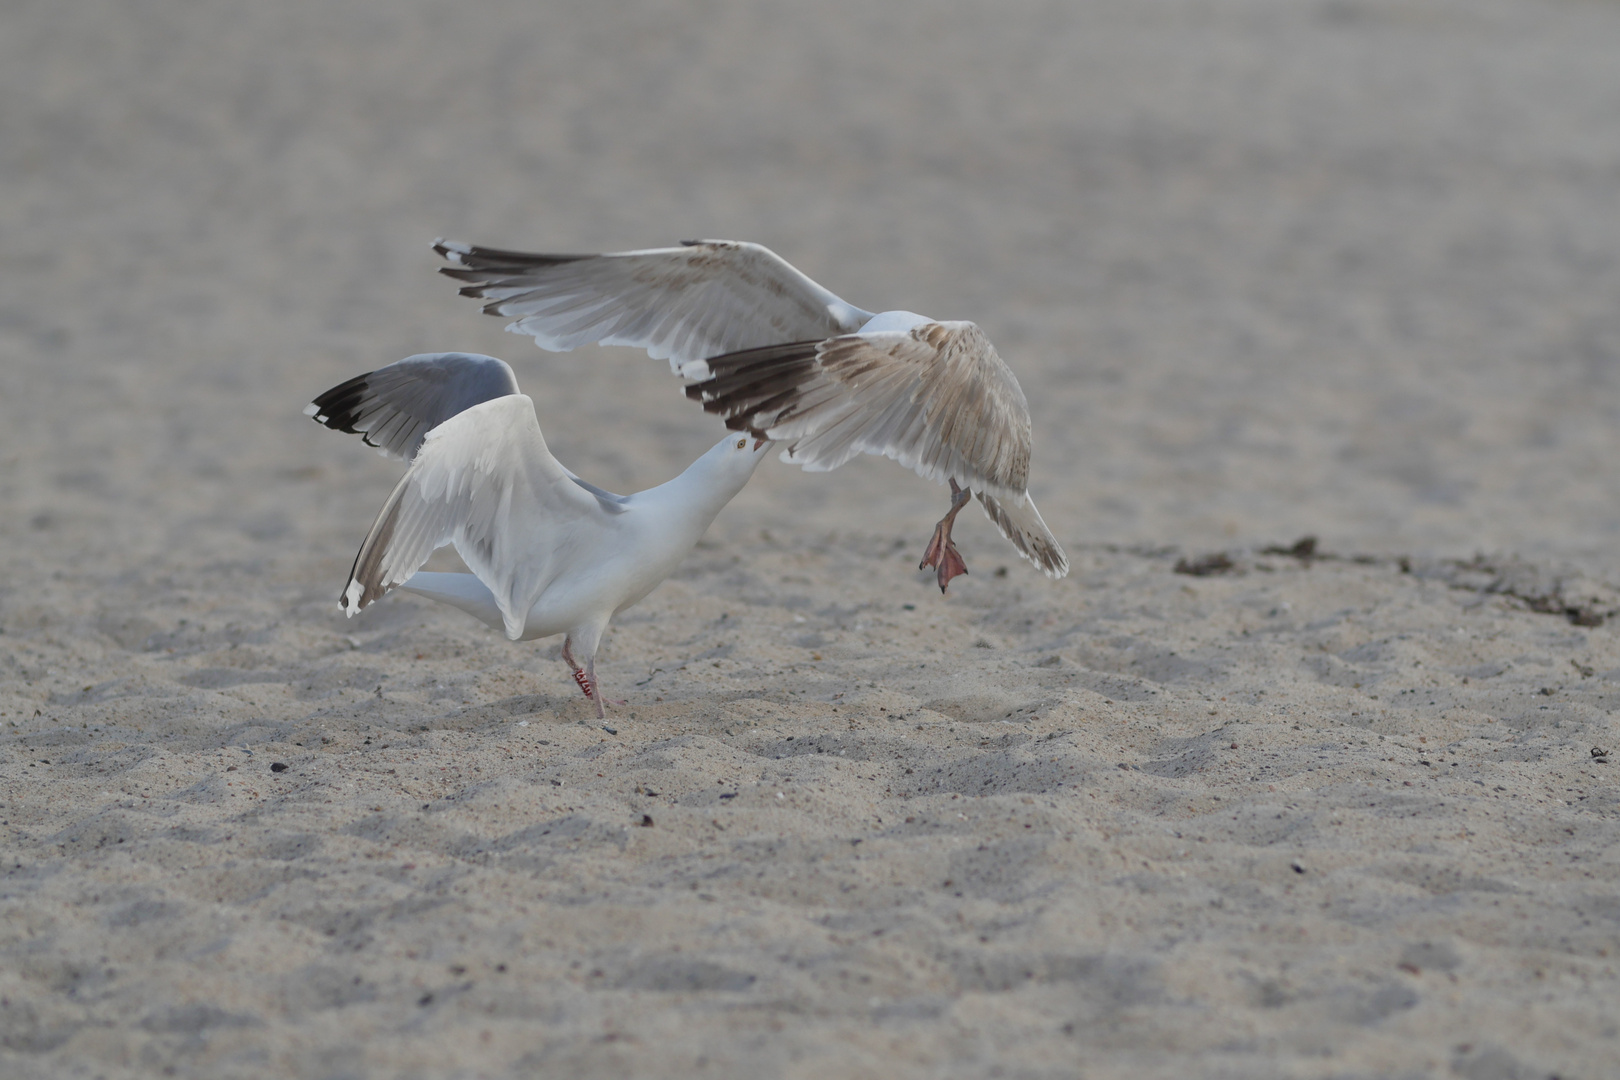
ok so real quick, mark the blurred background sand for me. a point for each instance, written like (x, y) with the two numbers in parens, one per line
(1266, 269)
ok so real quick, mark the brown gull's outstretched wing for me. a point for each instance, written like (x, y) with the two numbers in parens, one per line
(703, 298)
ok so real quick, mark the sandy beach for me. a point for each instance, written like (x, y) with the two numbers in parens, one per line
(1226, 802)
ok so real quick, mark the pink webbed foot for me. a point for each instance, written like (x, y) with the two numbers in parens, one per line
(942, 553)
(943, 556)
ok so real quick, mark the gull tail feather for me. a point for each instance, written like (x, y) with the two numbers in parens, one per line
(1021, 523)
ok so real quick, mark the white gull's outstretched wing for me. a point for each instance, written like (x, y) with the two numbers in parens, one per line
(935, 398)
(484, 481)
(701, 299)
(393, 407)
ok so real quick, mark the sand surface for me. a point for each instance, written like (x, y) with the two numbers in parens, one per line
(1266, 269)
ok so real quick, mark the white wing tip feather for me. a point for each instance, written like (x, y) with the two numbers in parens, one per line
(313, 410)
(452, 250)
(351, 599)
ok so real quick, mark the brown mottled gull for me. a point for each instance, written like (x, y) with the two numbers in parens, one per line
(782, 358)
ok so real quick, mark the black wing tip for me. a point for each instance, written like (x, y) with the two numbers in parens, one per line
(357, 596)
(764, 354)
(754, 389)
(335, 408)
(340, 408)
(473, 262)
(480, 280)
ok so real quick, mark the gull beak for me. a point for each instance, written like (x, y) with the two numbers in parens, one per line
(759, 442)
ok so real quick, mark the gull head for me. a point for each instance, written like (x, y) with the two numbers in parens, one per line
(736, 456)
(746, 448)
(725, 470)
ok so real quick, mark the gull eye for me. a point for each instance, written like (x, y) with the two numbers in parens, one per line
(741, 443)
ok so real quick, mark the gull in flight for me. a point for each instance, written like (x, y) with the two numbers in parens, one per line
(549, 552)
(781, 358)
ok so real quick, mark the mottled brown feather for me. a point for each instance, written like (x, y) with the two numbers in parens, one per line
(863, 390)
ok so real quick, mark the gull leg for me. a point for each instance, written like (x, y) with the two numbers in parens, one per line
(581, 675)
(593, 691)
(941, 551)
(586, 678)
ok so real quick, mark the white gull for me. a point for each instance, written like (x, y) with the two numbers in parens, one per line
(549, 553)
(783, 359)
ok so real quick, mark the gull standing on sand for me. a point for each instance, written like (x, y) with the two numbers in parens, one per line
(549, 553)
(780, 357)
